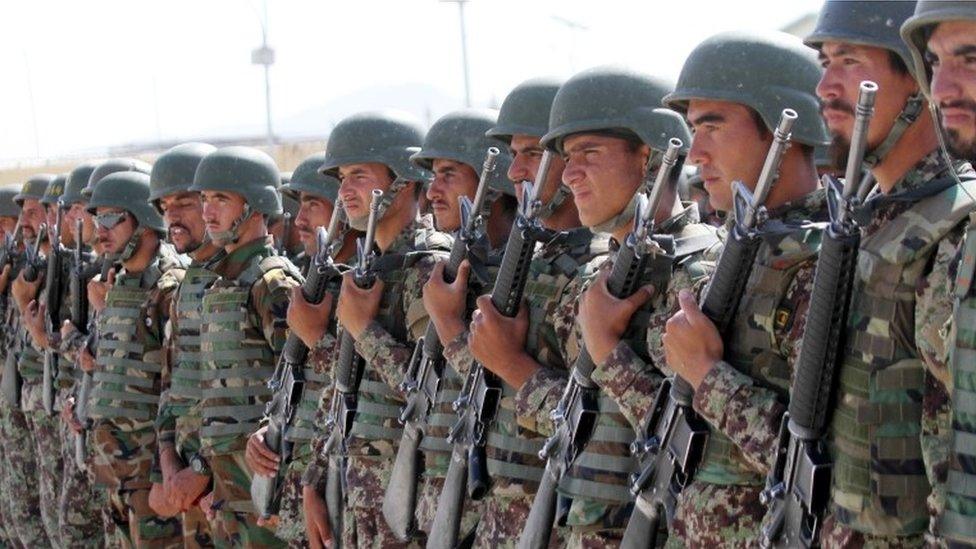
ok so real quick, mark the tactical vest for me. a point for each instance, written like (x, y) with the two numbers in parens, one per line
(513, 451)
(186, 385)
(126, 384)
(958, 522)
(237, 359)
(752, 343)
(879, 481)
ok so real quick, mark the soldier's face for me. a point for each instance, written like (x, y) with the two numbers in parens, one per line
(7, 225)
(603, 173)
(728, 146)
(221, 209)
(51, 218)
(845, 67)
(526, 156)
(112, 240)
(358, 182)
(451, 181)
(32, 216)
(951, 52)
(183, 214)
(313, 212)
(71, 215)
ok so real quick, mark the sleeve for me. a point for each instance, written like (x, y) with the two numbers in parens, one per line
(933, 310)
(458, 354)
(270, 297)
(537, 397)
(165, 419)
(629, 381)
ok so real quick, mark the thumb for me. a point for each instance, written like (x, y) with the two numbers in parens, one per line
(437, 273)
(689, 306)
(464, 271)
(111, 276)
(641, 296)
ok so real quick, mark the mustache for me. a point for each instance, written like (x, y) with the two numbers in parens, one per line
(837, 104)
(966, 104)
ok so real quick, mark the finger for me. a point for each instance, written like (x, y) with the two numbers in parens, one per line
(484, 304)
(640, 297)
(111, 276)
(689, 306)
(463, 272)
(265, 452)
(437, 273)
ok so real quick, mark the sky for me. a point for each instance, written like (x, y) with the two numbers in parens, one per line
(81, 76)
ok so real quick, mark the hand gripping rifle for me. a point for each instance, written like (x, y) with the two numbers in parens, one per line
(52, 322)
(422, 381)
(798, 486)
(672, 442)
(288, 381)
(574, 418)
(86, 324)
(478, 403)
(348, 374)
(33, 262)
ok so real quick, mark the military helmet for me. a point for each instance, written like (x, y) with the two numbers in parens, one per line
(873, 23)
(245, 171)
(77, 181)
(916, 30)
(127, 190)
(54, 190)
(8, 208)
(461, 136)
(34, 188)
(767, 71)
(617, 101)
(307, 178)
(388, 137)
(525, 110)
(113, 165)
(173, 171)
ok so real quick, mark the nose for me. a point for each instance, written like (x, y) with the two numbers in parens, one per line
(436, 187)
(945, 84)
(696, 154)
(829, 86)
(573, 173)
(518, 170)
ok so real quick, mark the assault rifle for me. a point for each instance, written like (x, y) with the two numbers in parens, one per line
(672, 442)
(33, 262)
(87, 324)
(798, 486)
(348, 374)
(421, 383)
(286, 228)
(574, 418)
(52, 322)
(288, 381)
(478, 403)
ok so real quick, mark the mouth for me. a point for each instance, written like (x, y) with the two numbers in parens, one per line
(957, 116)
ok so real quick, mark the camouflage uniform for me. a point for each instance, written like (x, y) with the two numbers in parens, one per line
(897, 365)
(515, 468)
(242, 333)
(178, 421)
(125, 398)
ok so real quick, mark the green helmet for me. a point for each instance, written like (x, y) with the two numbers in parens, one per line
(77, 181)
(387, 137)
(617, 101)
(54, 190)
(525, 110)
(461, 136)
(173, 171)
(113, 165)
(128, 190)
(245, 171)
(307, 178)
(8, 208)
(864, 22)
(767, 71)
(33, 188)
(916, 30)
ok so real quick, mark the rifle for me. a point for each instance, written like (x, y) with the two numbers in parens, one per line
(33, 263)
(288, 381)
(11, 381)
(348, 374)
(52, 291)
(478, 403)
(88, 326)
(574, 418)
(422, 381)
(286, 234)
(672, 441)
(798, 486)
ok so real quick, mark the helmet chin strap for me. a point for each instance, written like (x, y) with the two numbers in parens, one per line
(131, 245)
(231, 235)
(562, 192)
(908, 115)
(398, 185)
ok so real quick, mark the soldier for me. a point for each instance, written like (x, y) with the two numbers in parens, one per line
(885, 436)
(176, 487)
(741, 391)
(242, 332)
(454, 151)
(941, 38)
(79, 504)
(371, 151)
(287, 240)
(36, 509)
(316, 194)
(132, 308)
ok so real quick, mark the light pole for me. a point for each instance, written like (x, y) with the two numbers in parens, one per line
(464, 51)
(265, 56)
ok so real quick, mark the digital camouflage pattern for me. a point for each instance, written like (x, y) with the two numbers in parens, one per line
(125, 397)
(918, 239)
(243, 332)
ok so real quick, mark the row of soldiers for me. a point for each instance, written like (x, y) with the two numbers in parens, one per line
(515, 328)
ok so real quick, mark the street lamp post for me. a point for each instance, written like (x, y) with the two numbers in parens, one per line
(464, 51)
(265, 56)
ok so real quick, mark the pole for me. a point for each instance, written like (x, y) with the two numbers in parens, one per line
(464, 51)
(267, 78)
